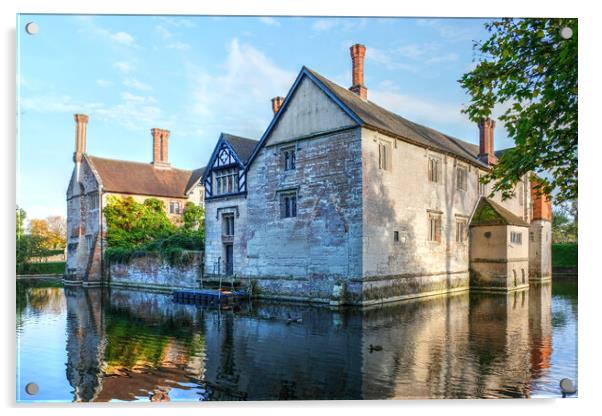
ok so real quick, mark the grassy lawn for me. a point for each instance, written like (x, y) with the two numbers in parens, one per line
(564, 255)
(44, 268)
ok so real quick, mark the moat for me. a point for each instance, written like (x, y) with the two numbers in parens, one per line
(122, 345)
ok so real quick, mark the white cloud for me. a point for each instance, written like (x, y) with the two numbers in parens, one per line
(177, 22)
(123, 38)
(270, 21)
(346, 24)
(412, 57)
(133, 112)
(179, 46)
(447, 31)
(165, 33)
(103, 83)
(134, 83)
(388, 95)
(124, 66)
(249, 79)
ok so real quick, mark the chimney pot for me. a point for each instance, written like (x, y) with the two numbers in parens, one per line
(277, 103)
(358, 54)
(81, 124)
(486, 152)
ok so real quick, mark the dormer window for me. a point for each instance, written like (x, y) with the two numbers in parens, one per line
(226, 181)
(290, 158)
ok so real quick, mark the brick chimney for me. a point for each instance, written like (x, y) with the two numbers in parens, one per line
(81, 124)
(160, 145)
(542, 206)
(277, 103)
(358, 53)
(486, 153)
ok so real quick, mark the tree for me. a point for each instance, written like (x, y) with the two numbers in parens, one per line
(39, 228)
(527, 66)
(20, 221)
(57, 231)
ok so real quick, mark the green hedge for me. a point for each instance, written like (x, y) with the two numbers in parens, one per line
(42, 268)
(564, 255)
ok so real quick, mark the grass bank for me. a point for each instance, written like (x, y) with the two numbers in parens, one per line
(564, 255)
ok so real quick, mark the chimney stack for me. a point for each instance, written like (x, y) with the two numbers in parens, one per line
(541, 204)
(358, 53)
(277, 103)
(81, 124)
(486, 152)
(160, 145)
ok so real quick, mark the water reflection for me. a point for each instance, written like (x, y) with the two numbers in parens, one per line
(132, 345)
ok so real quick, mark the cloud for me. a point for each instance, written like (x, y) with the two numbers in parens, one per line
(123, 38)
(179, 46)
(270, 21)
(248, 80)
(177, 22)
(134, 83)
(388, 95)
(133, 112)
(103, 83)
(124, 66)
(412, 57)
(346, 24)
(449, 32)
(165, 33)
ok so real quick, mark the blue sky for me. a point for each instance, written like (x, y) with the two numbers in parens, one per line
(199, 76)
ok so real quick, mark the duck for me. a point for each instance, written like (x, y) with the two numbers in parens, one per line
(375, 348)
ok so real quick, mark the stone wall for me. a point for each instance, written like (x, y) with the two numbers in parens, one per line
(398, 201)
(83, 225)
(496, 263)
(313, 254)
(152, 272)
(540, 250)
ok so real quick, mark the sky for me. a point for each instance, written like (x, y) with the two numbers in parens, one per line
(201, 75)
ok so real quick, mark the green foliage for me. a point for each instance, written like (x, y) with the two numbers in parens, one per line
(564, 224)
(29, 246)
(564, 255)
(528, 68)
(21, 215)
(43, 268)
(136, 229)
(131, 224)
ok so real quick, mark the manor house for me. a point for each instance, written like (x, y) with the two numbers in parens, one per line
(344, 202)
(94, 179)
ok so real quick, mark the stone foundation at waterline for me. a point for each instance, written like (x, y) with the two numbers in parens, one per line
(152, 272)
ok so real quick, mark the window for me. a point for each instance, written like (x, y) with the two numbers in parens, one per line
(384, 156)
(434, 169)
(175, 207)
(434, 223)
(228, 224)
(461, 175)
(461, 233)
(93, 200)
(481, 185)
(226, 181)
(396, 236)
(516, 238)
(290, 159)
(288, 205)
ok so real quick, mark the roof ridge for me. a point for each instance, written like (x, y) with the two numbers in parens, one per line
(134, 162)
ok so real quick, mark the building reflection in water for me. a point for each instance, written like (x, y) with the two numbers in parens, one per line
(130, 345)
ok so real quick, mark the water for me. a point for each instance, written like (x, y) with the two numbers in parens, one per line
(119, 345)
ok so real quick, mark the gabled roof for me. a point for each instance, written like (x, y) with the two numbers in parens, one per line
(241, 145)
(370, 115)
(500, 153)
(489, 212)
(195, 177)
(137, 178)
